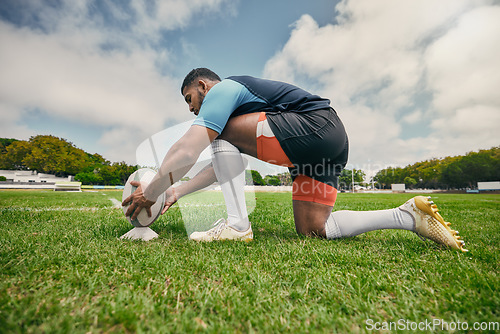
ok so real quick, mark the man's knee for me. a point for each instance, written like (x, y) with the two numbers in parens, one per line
(310, 218)
(310, 231)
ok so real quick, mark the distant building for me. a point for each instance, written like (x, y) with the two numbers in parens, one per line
(27, 179)
(398, 187)
(487, 186)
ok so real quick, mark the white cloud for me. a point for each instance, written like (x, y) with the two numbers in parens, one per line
(173, 14)
(96, 67)
(10, 127)
(382, 57)
(413, 117)
(93, 87)
(464, 65)
(476, 121)
(464, 74)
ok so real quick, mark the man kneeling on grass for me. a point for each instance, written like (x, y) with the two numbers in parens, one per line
(284, 125)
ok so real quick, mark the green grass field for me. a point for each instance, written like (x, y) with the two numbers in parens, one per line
(63, 269)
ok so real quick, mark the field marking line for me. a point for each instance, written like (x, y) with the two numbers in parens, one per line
(52, 209)
(116, 203)
(199, 205)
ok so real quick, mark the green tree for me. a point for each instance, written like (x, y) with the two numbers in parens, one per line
(50, 154)
(109, 175)
(97, 159)
(410, 182)
(390, 175)
(53, 155)
(455, 172)
(454, 176)
(254, 177)
(106, 174)
(89, 178)
(4, 142)
(428, 173)
(345, 179)
(466, 171)
(123, 171)
(272, 180)
(14, 155)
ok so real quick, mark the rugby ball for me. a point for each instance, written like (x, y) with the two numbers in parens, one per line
(143, 175)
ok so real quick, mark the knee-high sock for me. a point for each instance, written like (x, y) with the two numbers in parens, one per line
(230, 171)
(351, 223)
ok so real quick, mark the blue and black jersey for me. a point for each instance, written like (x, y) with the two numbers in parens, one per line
(306, 126)
(239, 95)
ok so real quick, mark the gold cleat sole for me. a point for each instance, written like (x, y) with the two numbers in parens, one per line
(431, 225)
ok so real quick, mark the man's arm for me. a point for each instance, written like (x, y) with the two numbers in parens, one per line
(202, 180)
(177, 162)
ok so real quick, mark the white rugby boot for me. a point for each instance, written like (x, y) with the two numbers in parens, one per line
(430, 224)
(221, 231)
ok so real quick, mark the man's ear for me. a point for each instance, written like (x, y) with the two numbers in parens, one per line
(202, 84)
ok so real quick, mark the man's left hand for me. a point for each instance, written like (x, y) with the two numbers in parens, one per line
(137, 202)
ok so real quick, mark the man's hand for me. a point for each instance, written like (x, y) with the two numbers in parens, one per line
(170, 199)
(137, 202)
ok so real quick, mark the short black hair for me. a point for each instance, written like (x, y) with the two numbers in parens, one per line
(199, 73)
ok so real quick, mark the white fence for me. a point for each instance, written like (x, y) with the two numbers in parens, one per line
(494, 185)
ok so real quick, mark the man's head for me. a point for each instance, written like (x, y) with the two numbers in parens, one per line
(196, 85)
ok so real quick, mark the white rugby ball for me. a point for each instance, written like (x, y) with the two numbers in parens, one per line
(143, 175)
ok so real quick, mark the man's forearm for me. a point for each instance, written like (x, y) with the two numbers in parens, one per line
(175, 165)
(179, 160)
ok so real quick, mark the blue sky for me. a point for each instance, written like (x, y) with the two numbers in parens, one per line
(243, 42)
(412, 80)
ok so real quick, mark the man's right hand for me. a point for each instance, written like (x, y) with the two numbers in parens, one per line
(170, 199)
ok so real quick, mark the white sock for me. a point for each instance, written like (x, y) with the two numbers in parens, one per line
(351, 223)
(230, 171)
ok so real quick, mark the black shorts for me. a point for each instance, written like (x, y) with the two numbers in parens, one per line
(315, 142)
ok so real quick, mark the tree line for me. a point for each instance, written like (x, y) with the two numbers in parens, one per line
(57, 156)
(458, 172)
(253, 177)
(53, 155)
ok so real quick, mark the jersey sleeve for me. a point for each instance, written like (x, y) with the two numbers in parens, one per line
(220, 102)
